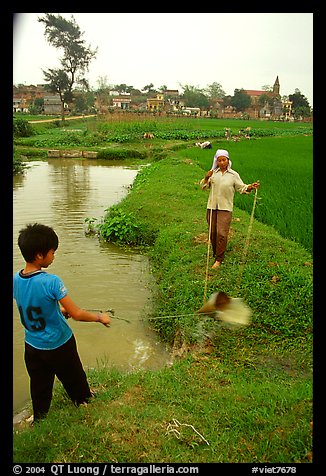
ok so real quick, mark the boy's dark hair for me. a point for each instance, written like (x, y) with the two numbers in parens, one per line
(36, 239)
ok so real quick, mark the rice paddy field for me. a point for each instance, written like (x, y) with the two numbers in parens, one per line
(284, 167)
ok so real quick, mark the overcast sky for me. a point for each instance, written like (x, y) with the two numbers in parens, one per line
(236, 50)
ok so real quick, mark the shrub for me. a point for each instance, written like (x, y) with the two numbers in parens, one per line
(22, 128)
(119, 227)
(116, 154)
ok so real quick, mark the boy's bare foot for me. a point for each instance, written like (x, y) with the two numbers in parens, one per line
(216, 264)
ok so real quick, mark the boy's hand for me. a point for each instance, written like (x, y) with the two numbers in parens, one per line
(104, 319)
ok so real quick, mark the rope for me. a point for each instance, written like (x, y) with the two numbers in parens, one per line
(247, 242)
(113, 316)
(208, 246)
(207, 259)
(173, 428)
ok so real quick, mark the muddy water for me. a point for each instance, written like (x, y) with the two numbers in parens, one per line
(62, 193)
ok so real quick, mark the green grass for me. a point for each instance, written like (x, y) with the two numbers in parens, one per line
(256, 413)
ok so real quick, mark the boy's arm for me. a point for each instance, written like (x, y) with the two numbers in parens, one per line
(64, 311)
(79, 314)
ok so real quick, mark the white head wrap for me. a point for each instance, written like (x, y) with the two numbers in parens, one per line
(220, 153)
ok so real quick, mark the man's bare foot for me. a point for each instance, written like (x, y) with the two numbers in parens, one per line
(216, 264)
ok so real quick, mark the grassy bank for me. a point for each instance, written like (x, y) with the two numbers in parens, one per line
(254, 410)
(247, 392)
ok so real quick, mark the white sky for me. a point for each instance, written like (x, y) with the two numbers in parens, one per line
(236, 50)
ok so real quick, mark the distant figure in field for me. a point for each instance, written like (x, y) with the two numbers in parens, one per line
(204, 145)
(148, 135)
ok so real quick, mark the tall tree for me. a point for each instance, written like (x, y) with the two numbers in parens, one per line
(300, 104)
(194, 96)
(241, 100)
(265, 99)
(149, 88)
(214, 91)
(67, 36)
(123, 88)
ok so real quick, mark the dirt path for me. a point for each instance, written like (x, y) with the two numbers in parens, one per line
(57, 118)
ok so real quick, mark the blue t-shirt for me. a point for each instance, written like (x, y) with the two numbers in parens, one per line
(37, 295)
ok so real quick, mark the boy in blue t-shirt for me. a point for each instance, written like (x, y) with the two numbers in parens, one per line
(43, 303)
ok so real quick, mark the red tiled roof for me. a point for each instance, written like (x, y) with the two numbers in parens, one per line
(255, 92)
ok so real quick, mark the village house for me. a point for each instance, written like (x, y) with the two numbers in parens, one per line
(287, 110)
(52, 105)
(191, 111)
(274, 108)
(168, 101)
(122, 102)
(23, 96)
(156, 104)
(173, 101)
(171, 93)
(20, 105)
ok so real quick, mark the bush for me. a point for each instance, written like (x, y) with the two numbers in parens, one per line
(121, 227)
(22, 128)
(116, 154)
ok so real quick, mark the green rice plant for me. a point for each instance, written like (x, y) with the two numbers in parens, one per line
(283, 166)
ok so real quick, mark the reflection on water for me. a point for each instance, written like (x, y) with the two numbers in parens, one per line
(61, 193)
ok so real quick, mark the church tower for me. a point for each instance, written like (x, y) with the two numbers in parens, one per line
(276, 87)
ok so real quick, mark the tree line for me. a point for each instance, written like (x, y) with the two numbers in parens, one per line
(70, 82)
